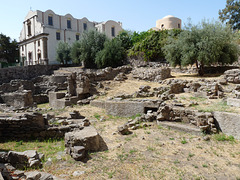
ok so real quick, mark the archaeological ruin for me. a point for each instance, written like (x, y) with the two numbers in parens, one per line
(24, 89)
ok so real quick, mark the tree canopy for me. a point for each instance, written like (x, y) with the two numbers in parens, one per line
(95, 50)
(63, 52)
(148, 45)
(113, 54)
(9, 51)
(90, 43)
(204, 44)
(231, 14)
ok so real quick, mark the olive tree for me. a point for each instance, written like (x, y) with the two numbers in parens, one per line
(112, 54)
(63, 52)
(204, 44)
(90, 43)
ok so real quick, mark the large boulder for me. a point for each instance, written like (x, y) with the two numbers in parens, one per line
(228, 123)
(26, 159)
(87, 139)
(176, 88)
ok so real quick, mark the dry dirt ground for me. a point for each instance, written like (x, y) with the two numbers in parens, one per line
(152, 152)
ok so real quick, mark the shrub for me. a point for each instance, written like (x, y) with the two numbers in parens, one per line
(112, 55)
(148, 45)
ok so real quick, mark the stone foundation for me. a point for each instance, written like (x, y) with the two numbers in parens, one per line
(25, 72)
(152, 74)
(232, 76)
(126, 108)
(18, 99)
(29, 126)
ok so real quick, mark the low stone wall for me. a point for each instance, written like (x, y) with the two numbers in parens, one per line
(18, 99)
(30, 126)
(151, 74)
(232, 76)
(95, 74)
(204, 120)
(25, 72)
(126, 108)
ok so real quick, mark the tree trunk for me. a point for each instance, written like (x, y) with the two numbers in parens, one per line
(201, 70)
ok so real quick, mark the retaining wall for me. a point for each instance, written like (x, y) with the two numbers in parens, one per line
(25, 72)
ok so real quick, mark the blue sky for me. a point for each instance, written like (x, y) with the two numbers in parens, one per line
(138, 15)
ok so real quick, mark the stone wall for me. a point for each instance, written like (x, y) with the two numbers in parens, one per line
(31, 126)
(204, 120)
(152, 74)
(95, 74)
(232, 76)
(25, 72)
(18, 99)
(126, 108)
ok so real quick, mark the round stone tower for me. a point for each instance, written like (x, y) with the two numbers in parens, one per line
(169, 22)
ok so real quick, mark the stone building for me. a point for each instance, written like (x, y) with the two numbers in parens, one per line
(42, 31)
(168, 22)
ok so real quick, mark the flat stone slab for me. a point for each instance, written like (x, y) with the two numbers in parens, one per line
(229, 123)
(233, 102)
(181, 127)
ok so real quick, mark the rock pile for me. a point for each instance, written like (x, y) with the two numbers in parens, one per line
(232, 76)
(151, 74)
(13, 163)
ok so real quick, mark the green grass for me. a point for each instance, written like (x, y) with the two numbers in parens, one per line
(97, 116)
(198, 99)
(123, 156)
(132, 151)
(184, 141)
(218, 106)
(191, 155)
(150, 148)
(223, 137)
(205, 165)
(48, 147)
(135, 116)
(44, 105)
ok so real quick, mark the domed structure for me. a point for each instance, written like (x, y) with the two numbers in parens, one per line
(169, 22)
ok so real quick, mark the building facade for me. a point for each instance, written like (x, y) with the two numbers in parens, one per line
(42, 31)
(168, 22)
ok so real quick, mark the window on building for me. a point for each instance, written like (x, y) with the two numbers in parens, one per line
(84, 26)
(29, 28)
(58, 37)
(113, 31)
(22, 48)
(162, 26)
(69, 24)
(50, 20)
(77, 37)
(38, 43)
(179, 26)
